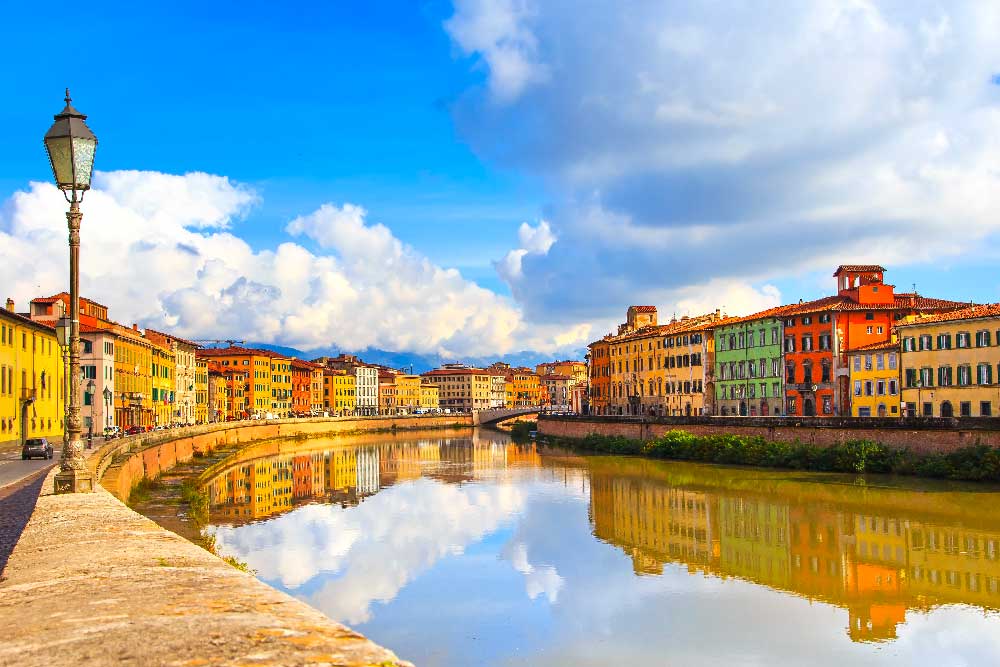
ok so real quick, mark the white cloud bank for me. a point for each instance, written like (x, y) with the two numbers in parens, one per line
(160, 250)
(689, 141)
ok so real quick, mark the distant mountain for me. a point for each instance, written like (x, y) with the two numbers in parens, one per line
(403, 360)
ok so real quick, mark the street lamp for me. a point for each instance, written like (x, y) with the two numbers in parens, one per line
(108, 396)
(70, 145)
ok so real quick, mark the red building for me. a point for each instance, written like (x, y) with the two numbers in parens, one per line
(818, 334)
(302, 372)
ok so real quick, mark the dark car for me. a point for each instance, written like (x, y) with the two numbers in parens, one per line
(36, 447)
(132, 430)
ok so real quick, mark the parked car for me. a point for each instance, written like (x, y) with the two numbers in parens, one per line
(34, 447)
(112, 432)
(135, 428)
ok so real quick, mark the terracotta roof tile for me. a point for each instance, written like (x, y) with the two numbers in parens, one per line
(859, 268)
(643, 309)
(970, 313)
(874, 347)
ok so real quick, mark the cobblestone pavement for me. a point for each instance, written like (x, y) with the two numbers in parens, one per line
(17, 502)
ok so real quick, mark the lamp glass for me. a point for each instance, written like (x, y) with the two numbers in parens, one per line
(63, 331)
(61, 157)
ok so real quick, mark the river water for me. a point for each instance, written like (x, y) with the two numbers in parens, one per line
(462, 549)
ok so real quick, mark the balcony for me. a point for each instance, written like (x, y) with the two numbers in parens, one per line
(28, 394)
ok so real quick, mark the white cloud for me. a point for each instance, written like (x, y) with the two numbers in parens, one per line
(158, 250)
(533, 241)
(377, 547)
(499, 31)
(678, 147)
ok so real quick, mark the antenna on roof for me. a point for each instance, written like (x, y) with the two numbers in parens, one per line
(914, 289)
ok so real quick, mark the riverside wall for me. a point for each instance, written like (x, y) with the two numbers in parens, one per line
(922, 435)
(120, 464)
(92, 582)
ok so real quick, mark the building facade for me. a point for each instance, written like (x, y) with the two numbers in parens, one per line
(951, 363)
(32, 380)
(748, 369)
(461, 389)
(875, 380)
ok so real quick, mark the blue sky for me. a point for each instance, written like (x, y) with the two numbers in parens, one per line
(333, 102)
(570, 159)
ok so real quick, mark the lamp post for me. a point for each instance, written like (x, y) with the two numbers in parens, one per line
(108, 396)
(63, 330)
(70, 146)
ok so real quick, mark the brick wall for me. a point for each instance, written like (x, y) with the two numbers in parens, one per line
(120, 464)
(919, 435)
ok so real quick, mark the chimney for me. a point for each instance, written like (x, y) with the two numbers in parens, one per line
(718, 314)
(135, 327)
(10, 304)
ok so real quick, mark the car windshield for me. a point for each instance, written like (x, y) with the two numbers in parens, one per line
(34, 442)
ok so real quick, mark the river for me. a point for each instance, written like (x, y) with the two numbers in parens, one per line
(462, 549)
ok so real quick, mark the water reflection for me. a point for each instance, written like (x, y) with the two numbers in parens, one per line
(699, 563)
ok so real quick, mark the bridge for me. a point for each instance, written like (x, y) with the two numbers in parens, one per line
(497, 415)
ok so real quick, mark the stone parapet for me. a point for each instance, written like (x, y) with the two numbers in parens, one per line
(91, 582)
(921, 435)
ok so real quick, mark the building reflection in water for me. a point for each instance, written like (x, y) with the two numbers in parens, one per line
(875, 564)
(876, 553)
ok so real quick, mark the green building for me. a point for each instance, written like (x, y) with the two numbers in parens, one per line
(749, 378)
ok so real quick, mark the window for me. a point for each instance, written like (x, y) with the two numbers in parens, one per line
(964, 376)
(789, 344)
(824, 318)
(879, 330)
(892, 361)
(927, 377)
(984, 374)
(763, 390)
(925, 342)
(807, 343)
(928, 410)
(880, 388)
(944, 341)
(965, 409)
(807, 373)
(893, 388)
(857, 387)
(985, 409)
(944, 376)
(869, 387)
(825, 368)
(982, 339)
(909, 344)
(790, 322)
(807, 320)
(868, 362)
(824, 341)
(827, 405)
(762, 337)
(857, 363)
(880, 362)
(790, 373)
(774, 336)
(88, 347)
(869, 315)
(868, 330)
(962, 339)
(790, 406)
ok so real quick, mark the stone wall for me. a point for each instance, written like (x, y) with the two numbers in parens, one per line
(120, 464)
(919, 435)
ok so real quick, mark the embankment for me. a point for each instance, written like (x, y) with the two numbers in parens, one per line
(92, 582)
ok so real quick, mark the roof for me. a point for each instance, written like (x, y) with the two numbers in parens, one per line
(903, 301)
(777, 311)
(456, 371)
(970, 313)
(875, 347)
(858, 268)
(643, 309)
(48, 328)
(236, 352)
(556, 377)
(170, 336)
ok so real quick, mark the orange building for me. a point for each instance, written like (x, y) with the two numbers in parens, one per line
(599, 368)
(302, 387)
(256, 365)
(818, 335)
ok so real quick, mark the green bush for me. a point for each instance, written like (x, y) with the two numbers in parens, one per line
(977, 462)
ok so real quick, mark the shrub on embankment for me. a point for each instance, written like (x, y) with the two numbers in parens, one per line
(977, 462)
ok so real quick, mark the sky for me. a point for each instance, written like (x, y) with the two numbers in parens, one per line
(473, 177)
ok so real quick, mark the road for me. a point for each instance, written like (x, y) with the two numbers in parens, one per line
(13, 469)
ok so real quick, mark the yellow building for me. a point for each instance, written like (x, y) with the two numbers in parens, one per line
(133, 378)
(429, 400)
(950, 363)
(342, 469)
(460, 388)
(527, 390)
(201, 401)
(281, 386)
(316, 389)
(32, 392)
(656, 369)
(162, 370)
(407, 393)
(255, 386)
(343, 400)
(875, 380)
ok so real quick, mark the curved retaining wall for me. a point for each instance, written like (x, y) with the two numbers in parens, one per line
(120, 464)
(92, 582)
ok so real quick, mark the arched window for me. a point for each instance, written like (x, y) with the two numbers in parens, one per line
(790, 372)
